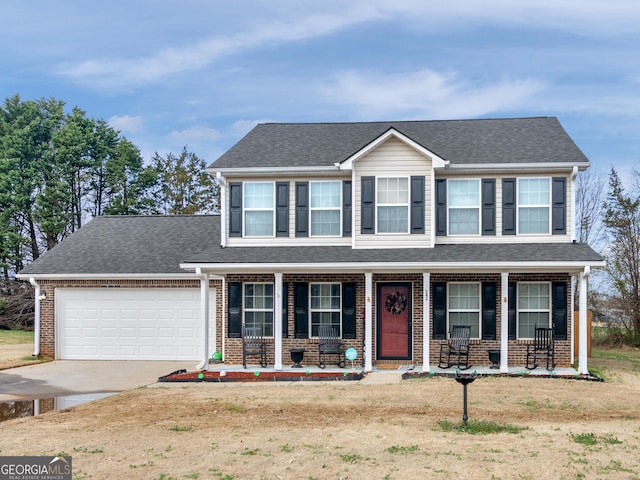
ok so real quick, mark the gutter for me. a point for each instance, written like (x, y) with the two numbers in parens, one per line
(36, 320)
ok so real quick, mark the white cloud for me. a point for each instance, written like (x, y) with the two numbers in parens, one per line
(126, 123)
(127, 73)
(426, 94)
(196, 133)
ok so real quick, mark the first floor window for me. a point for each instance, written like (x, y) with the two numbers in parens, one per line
(392, 197)
(325, 306)
(464, 306)
(464, 207)
(258, 307)
(259, 208)
(534, 308)
(326, 202)
(534, 205)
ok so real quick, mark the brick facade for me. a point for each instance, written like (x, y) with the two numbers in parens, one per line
(478, 354)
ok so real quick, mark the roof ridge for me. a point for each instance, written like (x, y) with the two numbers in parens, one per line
(380, 122)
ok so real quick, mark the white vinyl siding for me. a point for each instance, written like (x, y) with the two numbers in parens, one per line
(391, 157)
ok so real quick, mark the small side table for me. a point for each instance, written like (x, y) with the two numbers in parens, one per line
(297, 354)
(494, 358)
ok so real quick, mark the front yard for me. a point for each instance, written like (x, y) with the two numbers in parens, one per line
(552, 428)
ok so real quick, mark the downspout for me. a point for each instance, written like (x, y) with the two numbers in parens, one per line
(574, 226)
(223, 211)
(36, 317)
(204, 311)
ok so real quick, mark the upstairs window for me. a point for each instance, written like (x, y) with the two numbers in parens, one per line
(392, 194)
(325, 208)
(258, 307)
(259, 209)
(464, 306)
(325, 306)
(534, 308)
(534, 205)
(464, 207)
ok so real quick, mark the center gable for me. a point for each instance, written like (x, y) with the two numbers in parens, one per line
(399, 147)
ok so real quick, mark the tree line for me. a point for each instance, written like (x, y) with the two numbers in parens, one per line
(59, 169)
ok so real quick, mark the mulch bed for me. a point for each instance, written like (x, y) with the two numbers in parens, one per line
(256, 376)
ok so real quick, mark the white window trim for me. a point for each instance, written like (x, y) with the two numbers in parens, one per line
(311, 310)
(455, 310)
(478, 207)
(272, 210)
(518, 206)
(408, 205)
(518, 309)
(338, 208)
(245, 310)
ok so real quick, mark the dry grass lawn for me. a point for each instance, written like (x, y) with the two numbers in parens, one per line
(570, 429)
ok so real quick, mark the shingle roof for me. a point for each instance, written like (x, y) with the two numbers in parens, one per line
(455, 253)
(129, 245)
(158, 244)
(482, 141)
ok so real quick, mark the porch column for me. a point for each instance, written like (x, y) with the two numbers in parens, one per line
(204, 314)
(426, 332)
(368, 325)
(277, 321)
(582, 319)
(504, 324)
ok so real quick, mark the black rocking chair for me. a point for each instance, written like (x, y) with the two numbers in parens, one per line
(329, 343)
(457, 347)
(253, 345)
(543, 346)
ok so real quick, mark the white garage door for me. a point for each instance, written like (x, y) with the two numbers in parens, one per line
(130, 323)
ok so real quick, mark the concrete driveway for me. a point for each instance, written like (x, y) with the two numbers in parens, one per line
(68, 377)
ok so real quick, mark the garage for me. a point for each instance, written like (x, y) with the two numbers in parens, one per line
(130, 323)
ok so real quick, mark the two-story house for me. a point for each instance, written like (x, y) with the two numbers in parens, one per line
(392, 232)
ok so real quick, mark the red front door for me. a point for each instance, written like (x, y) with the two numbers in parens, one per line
(394, 321)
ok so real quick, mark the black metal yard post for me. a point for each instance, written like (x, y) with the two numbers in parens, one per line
(464, 380)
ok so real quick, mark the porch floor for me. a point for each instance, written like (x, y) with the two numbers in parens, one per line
(482, 370)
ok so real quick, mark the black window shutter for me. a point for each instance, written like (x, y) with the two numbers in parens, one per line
(301, 309)
(349, 310)
(302, 209)
(417, 204)
(346, 208)
(489, 310)
(441, 207)
(559, 309)
(234, 310)
(368, 207)
(235, 209)
(559, 205)
(439, 302)
(488, 206)
(285, 310)
(508, 206)
(512, 306)
(282, 209)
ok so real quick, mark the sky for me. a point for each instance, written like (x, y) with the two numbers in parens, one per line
(201, 73)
